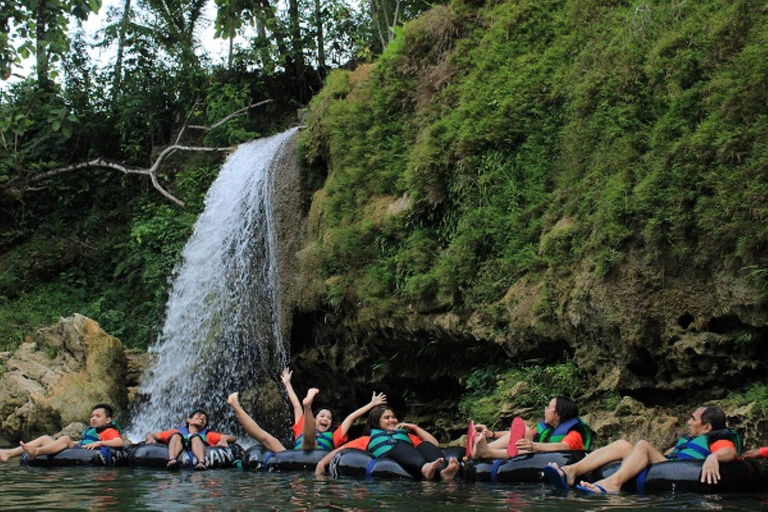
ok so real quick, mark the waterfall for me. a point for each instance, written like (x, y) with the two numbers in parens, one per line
(221, 332)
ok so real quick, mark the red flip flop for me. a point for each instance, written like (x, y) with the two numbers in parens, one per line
(471, 433)
(516, 431)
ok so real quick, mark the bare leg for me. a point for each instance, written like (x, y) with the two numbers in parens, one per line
(430, 468)
(6, 455)
(615, 451)
(449, 473)
(484, 451)
(308, 440)
(198, 449)
(267, 440)
(641, 455)
(49, 448)
(174, 446)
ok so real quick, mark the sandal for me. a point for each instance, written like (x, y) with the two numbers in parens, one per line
(516, 432)
(172, 464)
(201, 466)
(471, 431)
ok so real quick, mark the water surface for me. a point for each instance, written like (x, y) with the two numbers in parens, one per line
(128, 489)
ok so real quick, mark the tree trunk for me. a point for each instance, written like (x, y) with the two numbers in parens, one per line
(297, 53)
(320, 39)
(41, 46)
(120, 45)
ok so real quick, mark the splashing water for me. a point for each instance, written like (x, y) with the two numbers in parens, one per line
(221, 331)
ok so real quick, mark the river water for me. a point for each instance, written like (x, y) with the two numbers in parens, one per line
(127, 489)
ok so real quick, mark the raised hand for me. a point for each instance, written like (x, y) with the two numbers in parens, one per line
(379, 399)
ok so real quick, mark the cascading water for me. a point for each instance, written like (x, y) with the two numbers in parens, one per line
(221, 332)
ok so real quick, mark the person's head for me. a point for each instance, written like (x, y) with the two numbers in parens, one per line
(560, 410)
(323, 419)
(381, 417)
(101, 415)
(198, 418)
(705, 419)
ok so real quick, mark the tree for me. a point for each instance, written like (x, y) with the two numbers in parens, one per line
(48, 21)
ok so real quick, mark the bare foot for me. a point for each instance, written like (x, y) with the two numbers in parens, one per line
(429, 469)
(31, 451)
(480, 447)
(450, 470)
(233, 400)
(4, 457)
(570, 477)
(310, 396)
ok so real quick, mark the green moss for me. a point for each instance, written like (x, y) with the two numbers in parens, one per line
(756, 393)
(490, 396)
(641, 126)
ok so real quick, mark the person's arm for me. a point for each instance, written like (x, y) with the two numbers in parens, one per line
(417, 430)
(152, 438)
(756, 453)
(115, 442)
(226, 439)
(379, 399)
(710, 470)
(571, 441)
(320, 468)
(297, 408)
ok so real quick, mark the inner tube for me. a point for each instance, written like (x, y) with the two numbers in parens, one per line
(685, 476)
(155, 455)
(256, 458)
(77, 456)
(361, 464)
(527, 467)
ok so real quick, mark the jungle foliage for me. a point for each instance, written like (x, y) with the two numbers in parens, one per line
(105, 244)
(535, 137)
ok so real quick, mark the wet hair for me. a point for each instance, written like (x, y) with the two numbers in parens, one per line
(374, 417)
(566, 408)
(207, 418)
(713, 415)
(107, 409)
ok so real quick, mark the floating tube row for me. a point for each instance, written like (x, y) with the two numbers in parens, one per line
(256, 458)
(685, 476)
(155, 455)
(522, 468)
(138, 455)
(79, 457)
(361, 464)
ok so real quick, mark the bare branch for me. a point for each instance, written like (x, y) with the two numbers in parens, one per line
(230, 116)
(102, 163)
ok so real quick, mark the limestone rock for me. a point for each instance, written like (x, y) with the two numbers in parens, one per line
(633, 421)
(57, 376)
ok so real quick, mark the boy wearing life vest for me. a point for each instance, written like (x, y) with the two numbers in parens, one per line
(195, 435)
(561, 429)
(709, 440)
(102, 432)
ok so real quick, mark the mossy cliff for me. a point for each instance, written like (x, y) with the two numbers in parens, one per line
(521, 186)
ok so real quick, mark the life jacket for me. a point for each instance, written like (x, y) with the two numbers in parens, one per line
(697, 448)
(382, 441)
(186, 435)
(323, 440)
(91, 434)
(546, 434)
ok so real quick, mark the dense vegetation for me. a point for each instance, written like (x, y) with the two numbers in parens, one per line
(537, 137)
(102, 243)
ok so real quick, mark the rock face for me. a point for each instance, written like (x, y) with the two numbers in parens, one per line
(57, 376)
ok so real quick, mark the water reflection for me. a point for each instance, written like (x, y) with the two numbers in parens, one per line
(127, 489)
